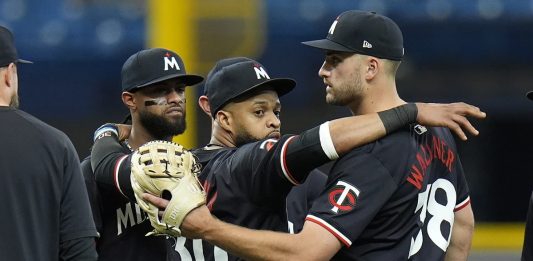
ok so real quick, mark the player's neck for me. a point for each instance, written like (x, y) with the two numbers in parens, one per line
(377, 99)
(221, 137)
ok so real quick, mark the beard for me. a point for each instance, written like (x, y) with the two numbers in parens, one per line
(346, 92)
(160, 127)
(243, 137)
(14, 103)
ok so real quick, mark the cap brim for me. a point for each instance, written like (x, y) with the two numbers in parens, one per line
(327, 44)
(188, 79)
(529, 95)
(23, 61)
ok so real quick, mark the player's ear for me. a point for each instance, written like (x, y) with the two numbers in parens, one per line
(203, 102)
(372, 68)
(8, 74)
(129, 100)
(223, 118)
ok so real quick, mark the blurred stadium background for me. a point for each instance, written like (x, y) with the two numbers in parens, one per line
(478, 51)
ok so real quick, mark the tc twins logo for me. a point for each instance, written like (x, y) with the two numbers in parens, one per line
(343, 197)
(171, 61)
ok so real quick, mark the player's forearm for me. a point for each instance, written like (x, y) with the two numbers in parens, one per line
(330, 140)
(459, 248)
(246, 243)
(351, 132)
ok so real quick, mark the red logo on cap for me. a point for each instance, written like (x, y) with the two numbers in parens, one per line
(167, 54)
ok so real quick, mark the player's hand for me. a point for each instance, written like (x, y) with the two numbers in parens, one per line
(124, 131)
(161, 203)
(452, 115)
(193, 223)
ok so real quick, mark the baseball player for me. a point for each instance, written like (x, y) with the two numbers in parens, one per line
(243, 101)
(153, 84)
(402, 197)
(45, 211)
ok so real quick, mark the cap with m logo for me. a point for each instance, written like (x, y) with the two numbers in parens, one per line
(230, 78)
(155, 65)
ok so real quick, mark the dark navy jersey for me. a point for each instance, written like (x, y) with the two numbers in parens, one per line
(45, 211)
(249, 186)
(120, 221)
(394, 199)
(301, 198)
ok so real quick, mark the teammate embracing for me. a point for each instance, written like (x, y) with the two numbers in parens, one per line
(247, 156)
(401, 197)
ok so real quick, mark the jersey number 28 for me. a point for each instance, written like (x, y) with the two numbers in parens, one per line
(438, 213)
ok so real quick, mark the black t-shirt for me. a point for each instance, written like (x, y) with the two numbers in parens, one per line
(44, 199)
(246, 186)
(394, 199)
(120, 221)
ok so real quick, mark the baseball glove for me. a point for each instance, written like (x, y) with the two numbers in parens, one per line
(167, 170)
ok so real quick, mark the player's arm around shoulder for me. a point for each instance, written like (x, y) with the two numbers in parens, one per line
(312, 243)
(462, 231)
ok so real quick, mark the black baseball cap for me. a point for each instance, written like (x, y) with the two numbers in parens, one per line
(530, 95)
(154, 65)
(8, 52)
(233, 77)
(363, 32)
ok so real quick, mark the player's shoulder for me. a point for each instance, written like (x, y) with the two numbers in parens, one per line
(391, 144)
(205, 156)
(31, 125)
(395, 149)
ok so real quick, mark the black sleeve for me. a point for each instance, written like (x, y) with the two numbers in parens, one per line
(75, 216)
(268, 169)
(92, 191)
(111, 165)
(78, 249)
(304, 154)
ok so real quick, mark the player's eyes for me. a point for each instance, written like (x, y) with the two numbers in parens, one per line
(259, 113)
(277, 113)
(333, 59)
(180, 89)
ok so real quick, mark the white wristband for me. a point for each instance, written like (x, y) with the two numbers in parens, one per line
(326, 142)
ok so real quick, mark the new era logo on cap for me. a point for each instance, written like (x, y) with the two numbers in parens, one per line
(365, 33)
